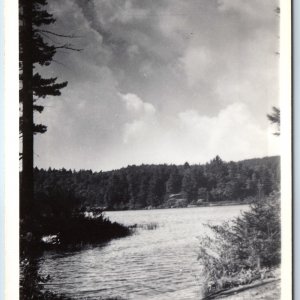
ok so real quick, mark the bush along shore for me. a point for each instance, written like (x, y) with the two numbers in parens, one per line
(55, 226)
(72, 232)
(246, 249)
(58, 233)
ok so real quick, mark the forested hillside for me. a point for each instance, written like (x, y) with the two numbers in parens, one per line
(150, 186)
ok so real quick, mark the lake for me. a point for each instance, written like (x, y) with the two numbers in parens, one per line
(150, 264)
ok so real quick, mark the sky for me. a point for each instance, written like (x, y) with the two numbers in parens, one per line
(160, 81)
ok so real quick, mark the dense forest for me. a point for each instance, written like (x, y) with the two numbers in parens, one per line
(158, 186)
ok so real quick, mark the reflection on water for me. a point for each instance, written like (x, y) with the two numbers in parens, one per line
(151, 264)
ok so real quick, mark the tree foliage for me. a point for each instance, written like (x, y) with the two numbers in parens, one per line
(240, 251)
(274, 118)
(37, 51)
(33, 19)
(137, 187)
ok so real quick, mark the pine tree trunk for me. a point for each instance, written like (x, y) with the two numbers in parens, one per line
(26, 186)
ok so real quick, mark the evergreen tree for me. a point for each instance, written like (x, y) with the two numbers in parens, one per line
(156, 189)
(203, 194)
(34, 50)
(217, 168)
(143, 193)
(133, 187)
(189, 186)
(173, 185)
(274, 118)
(113, 195)
(266, 180)
(141, 186)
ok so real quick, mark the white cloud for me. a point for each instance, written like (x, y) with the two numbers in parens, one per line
(143, 117)
(196, 62)
(174, 25)
(192, 57)
(237, 5)
(232, 134)
(135, 104)
(126, 12)
(133, 130)
(249, 8)
(133, 51)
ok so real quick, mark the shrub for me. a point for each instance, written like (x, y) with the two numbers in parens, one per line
(239, 251)
(30, 282)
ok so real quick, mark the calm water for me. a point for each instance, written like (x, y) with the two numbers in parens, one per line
(151, 264)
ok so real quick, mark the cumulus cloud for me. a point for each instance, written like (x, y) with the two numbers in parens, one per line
(132, 51)
(196, 62)
(89, 11)
(249, 8)
(191, 136)
(143, 117)
(126, 12)
(135, 104)
(202, 75)
(135, 130)
(232, 133)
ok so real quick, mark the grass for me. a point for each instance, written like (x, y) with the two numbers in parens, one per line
(146, 226)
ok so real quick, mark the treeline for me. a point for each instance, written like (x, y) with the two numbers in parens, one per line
(137, 187)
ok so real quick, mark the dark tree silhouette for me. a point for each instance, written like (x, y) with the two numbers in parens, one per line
(34, 50)
(136, 187)
(274, 118)
(173, 185)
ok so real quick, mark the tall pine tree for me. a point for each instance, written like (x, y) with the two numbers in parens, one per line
(173, 185)
(189, 185)
(34, 50)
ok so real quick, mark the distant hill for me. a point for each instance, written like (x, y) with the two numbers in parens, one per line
(256, 163)
(157, 186)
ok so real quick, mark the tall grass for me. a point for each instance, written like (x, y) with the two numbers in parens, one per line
(148, 226)
(244, 249)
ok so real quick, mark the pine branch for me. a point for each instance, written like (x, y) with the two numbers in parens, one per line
(39, 128)
(59, 35)
(67, 46)
(274, 118)
(46, 36)
(38, 108)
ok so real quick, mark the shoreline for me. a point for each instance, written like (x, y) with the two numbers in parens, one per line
(258, 290)
(212, 204)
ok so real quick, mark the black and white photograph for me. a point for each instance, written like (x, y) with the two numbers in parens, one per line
(152, 159)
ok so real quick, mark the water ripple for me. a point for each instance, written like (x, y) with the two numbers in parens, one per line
(151, 264)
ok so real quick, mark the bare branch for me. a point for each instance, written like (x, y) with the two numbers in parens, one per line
(60, 35)
(49, 38)
(60, 63)
(69, 47)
